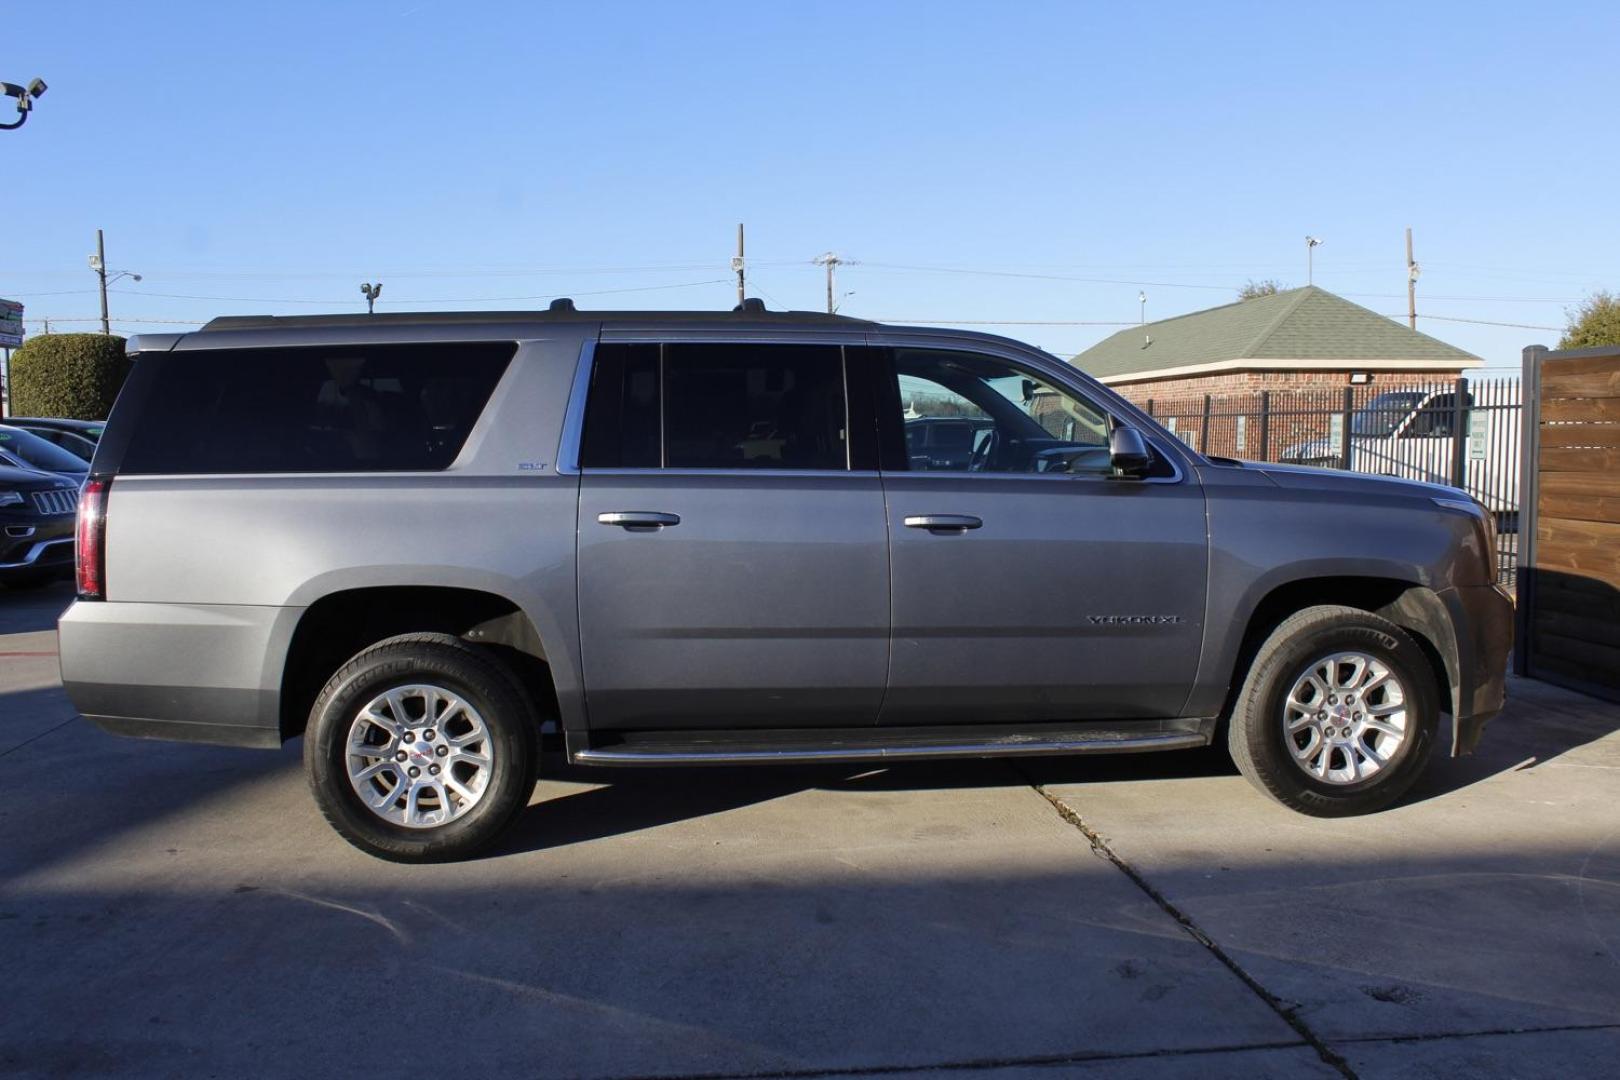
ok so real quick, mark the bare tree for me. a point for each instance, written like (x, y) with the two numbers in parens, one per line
(1253, 288)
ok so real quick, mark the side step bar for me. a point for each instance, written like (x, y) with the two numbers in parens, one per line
(868, 745)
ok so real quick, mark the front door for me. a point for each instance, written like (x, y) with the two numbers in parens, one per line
(733, 566)
(1028, 582)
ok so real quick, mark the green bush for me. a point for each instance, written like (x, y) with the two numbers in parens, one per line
(75, 376)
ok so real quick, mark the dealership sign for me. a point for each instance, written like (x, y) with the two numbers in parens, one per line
(11, 325)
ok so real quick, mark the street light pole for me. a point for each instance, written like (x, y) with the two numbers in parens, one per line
(101, 273)
(1311, 244)
(371, 293)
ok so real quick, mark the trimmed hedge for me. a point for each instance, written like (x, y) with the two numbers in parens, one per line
(74, 376)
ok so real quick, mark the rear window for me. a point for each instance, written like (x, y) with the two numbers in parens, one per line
(374, 408)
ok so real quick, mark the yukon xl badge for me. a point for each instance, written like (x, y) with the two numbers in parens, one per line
(1133, 620)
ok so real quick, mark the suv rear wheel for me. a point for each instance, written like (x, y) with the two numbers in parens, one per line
(420, 749)
(1338, 713)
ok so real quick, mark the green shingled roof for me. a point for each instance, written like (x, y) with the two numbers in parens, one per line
(1300, 324)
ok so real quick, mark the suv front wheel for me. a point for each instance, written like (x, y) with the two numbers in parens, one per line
(1338, 713)
(420, 749)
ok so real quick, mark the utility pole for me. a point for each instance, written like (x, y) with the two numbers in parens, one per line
(832, 262)
(1141, 298)
(737, 265)
(371, 293)
(99, 265)
(1311, 244)
(1412, 272)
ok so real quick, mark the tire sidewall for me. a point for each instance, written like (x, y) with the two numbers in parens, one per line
(363, 680)
(1267, 736)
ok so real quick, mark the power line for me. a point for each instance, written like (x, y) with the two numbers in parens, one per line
(420, 300)
(1005, 322)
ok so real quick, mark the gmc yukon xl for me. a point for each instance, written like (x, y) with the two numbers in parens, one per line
(415, 540)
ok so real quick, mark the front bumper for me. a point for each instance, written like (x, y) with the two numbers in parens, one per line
(1482, 618)
(35, 553)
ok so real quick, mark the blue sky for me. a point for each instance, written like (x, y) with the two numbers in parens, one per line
(1023, 162)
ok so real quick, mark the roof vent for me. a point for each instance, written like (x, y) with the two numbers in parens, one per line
(562, 303)
(751, 305)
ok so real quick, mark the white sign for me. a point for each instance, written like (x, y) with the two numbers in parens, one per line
(11, 325)
(1336, 435)
(1479, 433)
(1242, 434)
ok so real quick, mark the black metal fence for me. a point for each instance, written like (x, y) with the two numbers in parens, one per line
(1463, 433)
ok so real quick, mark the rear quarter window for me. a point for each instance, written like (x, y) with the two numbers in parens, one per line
(379, 408)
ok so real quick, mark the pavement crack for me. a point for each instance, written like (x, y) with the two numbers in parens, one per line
(1441, 1036)
(968, 1065)
(1290, 1016)
(36, 738)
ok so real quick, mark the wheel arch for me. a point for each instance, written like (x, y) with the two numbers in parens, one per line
(337, 625)
(1415, 608)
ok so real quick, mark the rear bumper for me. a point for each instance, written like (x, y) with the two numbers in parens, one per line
(192, 672)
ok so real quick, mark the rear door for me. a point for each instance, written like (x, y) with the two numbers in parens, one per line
(733, 553)
(1028, 583)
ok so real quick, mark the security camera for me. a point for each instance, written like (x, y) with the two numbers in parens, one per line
(37, 88)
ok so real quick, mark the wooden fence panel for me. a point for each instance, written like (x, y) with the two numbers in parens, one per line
(1569, 570)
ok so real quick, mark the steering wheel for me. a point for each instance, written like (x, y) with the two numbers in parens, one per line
(984, 452)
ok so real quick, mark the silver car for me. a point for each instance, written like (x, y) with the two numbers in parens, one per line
(686, 538)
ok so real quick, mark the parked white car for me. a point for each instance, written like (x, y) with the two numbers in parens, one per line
(1413, 434)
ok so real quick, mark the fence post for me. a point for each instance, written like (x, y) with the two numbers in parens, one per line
(1459, 436)
(1265, 426)
(1150, 406)
(1529, 477)
(1203, 435)
(1344, 433)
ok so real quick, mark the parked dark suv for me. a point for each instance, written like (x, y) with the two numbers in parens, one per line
(694, 538)
(36, 527)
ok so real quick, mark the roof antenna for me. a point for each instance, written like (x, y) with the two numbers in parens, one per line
(562, 303)
(751, 305)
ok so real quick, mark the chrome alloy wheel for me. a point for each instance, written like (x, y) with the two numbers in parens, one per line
(419, 756)
(1345, 718)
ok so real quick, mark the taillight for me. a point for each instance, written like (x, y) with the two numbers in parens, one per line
(90, 540)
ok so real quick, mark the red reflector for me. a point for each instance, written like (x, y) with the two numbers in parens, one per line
(90, 540)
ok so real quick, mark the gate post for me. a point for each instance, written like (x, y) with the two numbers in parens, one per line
(1203, 436)
(1459, 437)
(1349, 407)
(1265, 426)
(1529, 497)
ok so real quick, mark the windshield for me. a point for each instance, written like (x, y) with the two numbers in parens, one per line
(1384, 413)
(38, 453)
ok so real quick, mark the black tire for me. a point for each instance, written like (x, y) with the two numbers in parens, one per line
(444, 661)
(1257, 736)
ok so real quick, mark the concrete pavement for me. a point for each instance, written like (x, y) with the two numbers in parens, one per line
(168, 909)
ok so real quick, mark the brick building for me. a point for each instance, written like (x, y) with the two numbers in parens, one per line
(1291, 356)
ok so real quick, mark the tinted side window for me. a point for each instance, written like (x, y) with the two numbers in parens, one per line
(380, 408)
(966, 412)
(717, 406)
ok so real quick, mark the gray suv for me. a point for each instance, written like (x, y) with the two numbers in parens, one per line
(748, 537)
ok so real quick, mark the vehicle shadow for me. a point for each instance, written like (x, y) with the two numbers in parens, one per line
(1541, 723)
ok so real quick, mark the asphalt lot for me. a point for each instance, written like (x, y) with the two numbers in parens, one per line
(170, 910)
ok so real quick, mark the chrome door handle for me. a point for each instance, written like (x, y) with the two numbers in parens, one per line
(638, 519)
(937, 523)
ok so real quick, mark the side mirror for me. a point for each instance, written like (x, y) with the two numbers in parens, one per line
(1128, 452)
